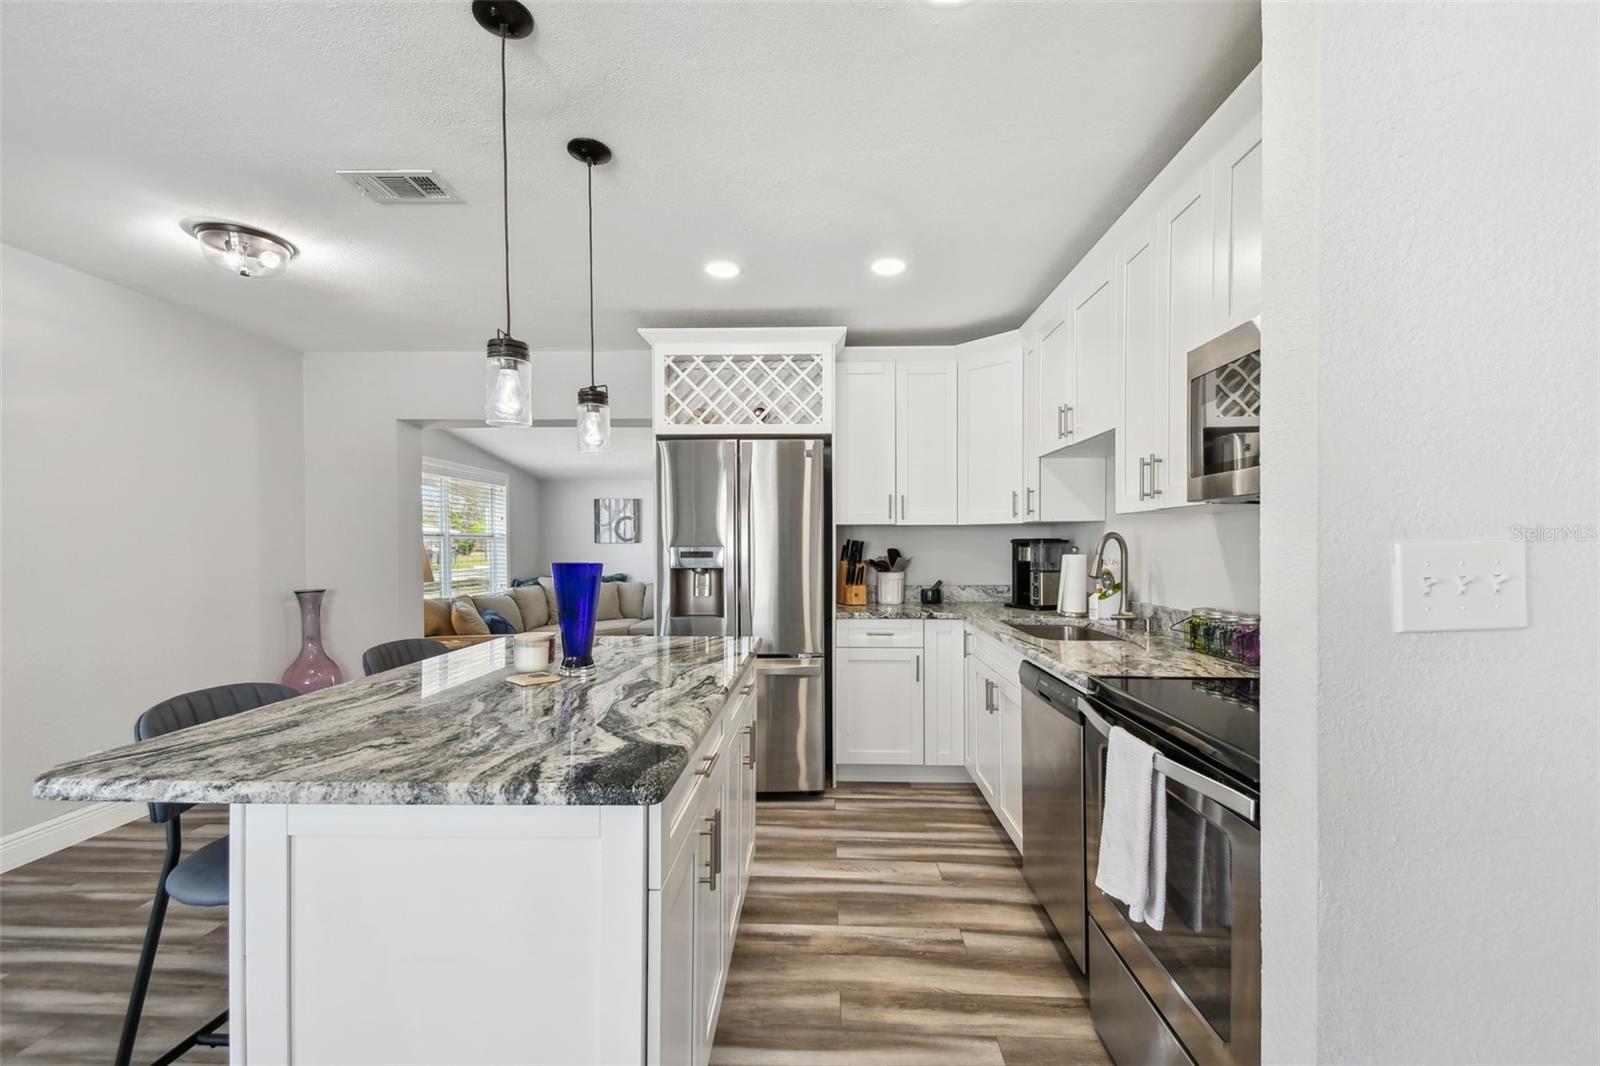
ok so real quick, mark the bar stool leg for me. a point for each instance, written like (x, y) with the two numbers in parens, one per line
(147, 954)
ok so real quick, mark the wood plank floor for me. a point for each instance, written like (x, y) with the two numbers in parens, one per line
(70, 929)
(889, 925)
(885, 925)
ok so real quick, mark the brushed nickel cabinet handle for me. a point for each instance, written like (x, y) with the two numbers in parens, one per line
(1144, 464)
(710, 763)
(902, 507)
(750, 750)
(1030, 499)
(709, 877)
(1154, 459)
(1071, 421)
(746, 690)
(919, 668)
(1061, 421)
(891, 507)
(1013, 503)
(872, 633)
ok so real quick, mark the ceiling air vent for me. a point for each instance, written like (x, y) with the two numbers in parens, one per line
(402, 186)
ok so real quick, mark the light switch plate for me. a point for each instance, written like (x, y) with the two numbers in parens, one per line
(1464, 584)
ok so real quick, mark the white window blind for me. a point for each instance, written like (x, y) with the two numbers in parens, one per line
(463, 529)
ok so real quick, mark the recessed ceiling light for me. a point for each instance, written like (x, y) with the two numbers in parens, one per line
(888, 266)
(722, 268)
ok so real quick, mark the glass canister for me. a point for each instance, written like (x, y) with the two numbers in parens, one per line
(1219, 636)
(1194, 629)
(1247, 639)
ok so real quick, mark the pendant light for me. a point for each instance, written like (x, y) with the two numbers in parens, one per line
(594, 401)
(508, 399)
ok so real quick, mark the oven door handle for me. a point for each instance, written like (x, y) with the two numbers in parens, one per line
(1231, 798)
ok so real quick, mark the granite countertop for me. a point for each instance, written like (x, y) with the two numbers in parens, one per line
(1134, 654)
(448, 730)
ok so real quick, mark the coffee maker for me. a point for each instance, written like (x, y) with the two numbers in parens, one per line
(1036, 572)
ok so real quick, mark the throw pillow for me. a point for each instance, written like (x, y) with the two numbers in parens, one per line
(533, 606)
(465, 619)
(610, 605)
(613, 577)
(436, 618)
(497, 624)
(502, 605)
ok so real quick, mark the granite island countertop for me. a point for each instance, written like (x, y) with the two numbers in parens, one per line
(448, 730)
(1134, 654)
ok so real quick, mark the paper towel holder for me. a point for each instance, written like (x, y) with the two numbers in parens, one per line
(1072, 561)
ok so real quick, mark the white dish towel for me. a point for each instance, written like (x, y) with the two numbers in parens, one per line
(1133, 830)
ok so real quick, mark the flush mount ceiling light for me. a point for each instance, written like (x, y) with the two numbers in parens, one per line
(722, 268)
(508, 399)
(594, 401)
(243, 250)
(888, 266)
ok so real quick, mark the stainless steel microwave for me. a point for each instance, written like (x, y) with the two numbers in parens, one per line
(1225, 417)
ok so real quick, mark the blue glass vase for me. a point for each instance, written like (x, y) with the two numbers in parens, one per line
(577, 603)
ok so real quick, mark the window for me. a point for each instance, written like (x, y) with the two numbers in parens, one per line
(463, 530)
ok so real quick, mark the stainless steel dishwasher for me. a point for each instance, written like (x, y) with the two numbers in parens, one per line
(1052, 804)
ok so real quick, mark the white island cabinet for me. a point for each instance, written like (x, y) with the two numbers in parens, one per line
(431, 865)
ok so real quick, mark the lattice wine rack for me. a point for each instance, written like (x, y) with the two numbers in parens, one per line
(772, 390)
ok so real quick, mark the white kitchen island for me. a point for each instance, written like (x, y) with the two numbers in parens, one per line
(432, 865)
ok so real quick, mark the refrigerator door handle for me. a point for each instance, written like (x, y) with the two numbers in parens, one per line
(745, 461)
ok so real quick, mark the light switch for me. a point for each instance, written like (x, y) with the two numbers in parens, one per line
(1466, 584)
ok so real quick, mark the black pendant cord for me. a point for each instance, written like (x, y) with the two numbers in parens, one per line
(505, 181)
(589, 168)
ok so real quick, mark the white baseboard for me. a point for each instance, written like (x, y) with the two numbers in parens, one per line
(64, 830)
(914, 775)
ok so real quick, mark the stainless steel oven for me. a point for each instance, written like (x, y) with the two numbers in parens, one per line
(1225, 417)
(1190, 993)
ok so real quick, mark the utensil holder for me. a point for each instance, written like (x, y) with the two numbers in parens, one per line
(892, 588)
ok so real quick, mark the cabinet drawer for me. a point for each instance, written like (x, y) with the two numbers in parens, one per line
(868, 633)
(1003, 662)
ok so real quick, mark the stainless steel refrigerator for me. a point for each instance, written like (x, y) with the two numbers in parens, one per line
(744, 552)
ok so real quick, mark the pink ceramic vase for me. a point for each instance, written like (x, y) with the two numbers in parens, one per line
(311, 669)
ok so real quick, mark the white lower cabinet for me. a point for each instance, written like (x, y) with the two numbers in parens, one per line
(943, 696)
(994, 734)
(702, 892)
(880, 706)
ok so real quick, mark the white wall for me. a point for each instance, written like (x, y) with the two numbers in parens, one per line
(152, 514)
(956, 555)
(1431, 851)
(566, 523)
(523, 498)
(364, 447)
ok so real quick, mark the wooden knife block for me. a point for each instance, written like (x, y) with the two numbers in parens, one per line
(851, 595)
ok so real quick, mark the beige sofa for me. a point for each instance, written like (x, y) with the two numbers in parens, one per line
(626, 608)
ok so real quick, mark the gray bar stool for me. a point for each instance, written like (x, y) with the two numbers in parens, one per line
(201, 880)
(381, 657)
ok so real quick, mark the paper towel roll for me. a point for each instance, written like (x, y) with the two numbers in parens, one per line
(1074, 586)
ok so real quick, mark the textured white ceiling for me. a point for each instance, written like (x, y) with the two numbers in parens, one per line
(551, 452)
(988, 145)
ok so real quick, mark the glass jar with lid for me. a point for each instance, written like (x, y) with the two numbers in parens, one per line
(1246, 643)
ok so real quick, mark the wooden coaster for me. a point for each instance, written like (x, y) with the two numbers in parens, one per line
(524, 680)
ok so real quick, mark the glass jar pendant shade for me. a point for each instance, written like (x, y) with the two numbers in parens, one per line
(508, 383)
(594, 419)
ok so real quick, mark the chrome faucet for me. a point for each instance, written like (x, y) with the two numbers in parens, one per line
(1101, 575)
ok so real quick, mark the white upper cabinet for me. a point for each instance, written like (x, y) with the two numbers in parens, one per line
(1142, 449)
(1092, 315)
(1236, 179)
(925, 442)
(864, 446)
(1058, 380)
(991, 431)
(1186, 234)
(1032, 441)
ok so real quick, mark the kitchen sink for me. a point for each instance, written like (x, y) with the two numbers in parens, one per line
(1046, 632)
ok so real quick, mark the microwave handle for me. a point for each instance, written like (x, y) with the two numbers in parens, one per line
(1232, 799)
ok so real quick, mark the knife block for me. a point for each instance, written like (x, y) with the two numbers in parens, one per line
(850, 595)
